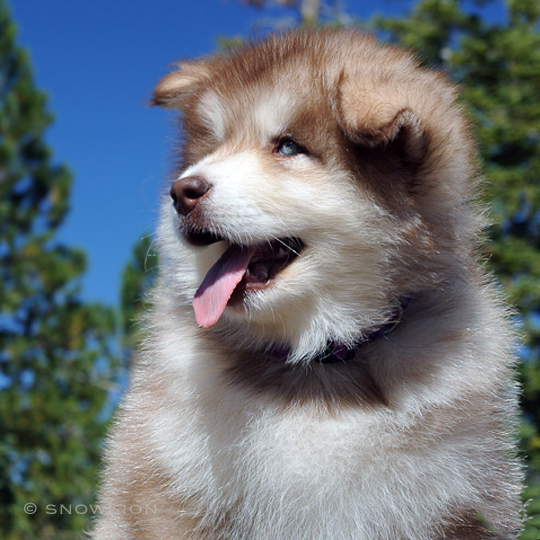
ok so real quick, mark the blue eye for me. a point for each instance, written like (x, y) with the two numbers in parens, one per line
(288, 147)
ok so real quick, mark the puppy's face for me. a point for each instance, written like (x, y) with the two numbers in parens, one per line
(295, 197)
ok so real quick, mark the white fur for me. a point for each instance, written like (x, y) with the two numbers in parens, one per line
(213, 114)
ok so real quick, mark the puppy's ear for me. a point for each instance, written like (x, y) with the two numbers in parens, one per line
(377, 117)
(173, 89)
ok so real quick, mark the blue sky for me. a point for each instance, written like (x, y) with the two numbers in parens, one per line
(98, 61)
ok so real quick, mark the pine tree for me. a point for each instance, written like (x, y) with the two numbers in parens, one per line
(55, 350)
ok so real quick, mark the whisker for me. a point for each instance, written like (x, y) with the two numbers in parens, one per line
(284, 244)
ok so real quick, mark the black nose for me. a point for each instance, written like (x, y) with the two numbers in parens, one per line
(186, 193)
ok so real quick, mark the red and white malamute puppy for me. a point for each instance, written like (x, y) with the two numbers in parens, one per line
(325, 359)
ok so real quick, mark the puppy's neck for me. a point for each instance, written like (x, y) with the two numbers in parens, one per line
(336, 352)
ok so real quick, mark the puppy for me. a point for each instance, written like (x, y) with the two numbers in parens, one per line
(325, 359)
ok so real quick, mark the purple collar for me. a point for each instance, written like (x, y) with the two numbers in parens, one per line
(335, 351)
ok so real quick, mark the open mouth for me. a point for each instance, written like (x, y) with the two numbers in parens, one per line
(269, 259)
(240, 269)
(200, 237)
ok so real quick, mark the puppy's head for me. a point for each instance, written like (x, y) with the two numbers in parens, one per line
(322, 177)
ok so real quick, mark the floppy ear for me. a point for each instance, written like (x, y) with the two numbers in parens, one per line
(173, 89)
(378, 116)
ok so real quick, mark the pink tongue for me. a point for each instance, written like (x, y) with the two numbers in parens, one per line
(219, 283)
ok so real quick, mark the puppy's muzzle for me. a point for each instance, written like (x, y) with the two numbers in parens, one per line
(187, 192)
